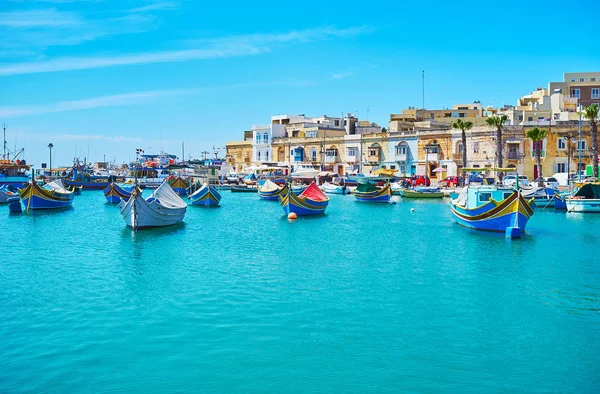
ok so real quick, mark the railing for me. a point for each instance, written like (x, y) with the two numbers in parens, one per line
(332, 159)
(401, 156)
(513, 156)
(432, 157)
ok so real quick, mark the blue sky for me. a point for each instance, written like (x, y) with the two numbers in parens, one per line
(109, 76)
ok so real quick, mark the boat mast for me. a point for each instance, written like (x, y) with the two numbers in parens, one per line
(4, 152)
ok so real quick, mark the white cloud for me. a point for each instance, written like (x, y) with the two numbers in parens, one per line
(160, 6)
(342, 75)
(38, 18)
(118, 100)
(244, 45)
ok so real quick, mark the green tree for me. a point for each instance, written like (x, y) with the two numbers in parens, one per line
(463, 126)
(498, 122)
(537, 135)
(591, 113)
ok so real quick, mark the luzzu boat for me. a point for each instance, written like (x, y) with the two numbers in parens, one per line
(115, 193)
(366, 192)
(50, 196)
(334, 189)
(311, 201)
(587, 199)
(163, 208)
(422, 192)
(6, 193)
(179, 185)
(493, 208)
(270, 191)
(206, 196)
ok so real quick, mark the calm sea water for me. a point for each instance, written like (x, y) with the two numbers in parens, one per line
(368, 298)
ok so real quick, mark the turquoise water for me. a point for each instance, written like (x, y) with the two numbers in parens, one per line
(368, 298)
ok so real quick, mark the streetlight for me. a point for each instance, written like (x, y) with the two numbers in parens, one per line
(50, 146)
(579, 144)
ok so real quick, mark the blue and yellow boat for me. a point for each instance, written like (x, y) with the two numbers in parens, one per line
(493, 208)
(206, 196)
(50, 196)
(179, 185)
(270, 191)
(311, 201)
(115, 193)
(367, 192)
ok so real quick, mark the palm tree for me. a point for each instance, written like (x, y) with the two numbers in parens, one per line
(463, 126)
(591, 113)
(537, 135)
(498, 123)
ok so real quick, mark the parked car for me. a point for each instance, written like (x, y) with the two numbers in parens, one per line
(420, 180)
(233, 177)
(451, 181)
(510, 180)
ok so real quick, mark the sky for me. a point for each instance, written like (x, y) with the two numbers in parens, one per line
(101, 78)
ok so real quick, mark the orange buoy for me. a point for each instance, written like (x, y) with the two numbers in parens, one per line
(292, 216)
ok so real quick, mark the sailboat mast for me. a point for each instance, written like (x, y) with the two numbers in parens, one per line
(4, 152)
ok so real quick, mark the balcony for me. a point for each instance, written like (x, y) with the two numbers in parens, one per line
(373, 158)
(332, 159)
(432, 157)
(513, 155)
(401, 156)
(352, 159)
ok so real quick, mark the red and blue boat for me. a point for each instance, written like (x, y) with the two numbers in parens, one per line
(206, 196)
(311, 201)
(179, 185)
(115, 193)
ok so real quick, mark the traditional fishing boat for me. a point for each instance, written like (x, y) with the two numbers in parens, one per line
(311, 201)
(270, 191)
(304, 171)
(6, 193)
(206, 196)
(493, 208)
(50, 196)
(243, 189)
(366, 192)
(422, 192)
(334, 189)
(586, 199)
(163, 208)
(250, 179)
(179, 185)
(544, 197)
(115, 193)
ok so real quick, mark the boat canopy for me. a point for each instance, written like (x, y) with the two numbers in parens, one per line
(269, 186)
(167, 197)
(589, 191)
(366, 188)
(314, 193)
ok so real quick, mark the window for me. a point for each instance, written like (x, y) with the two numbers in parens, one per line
(258, 155)
(352, 152)
(562, 144)
(265, 138)
(561, 167)
(337, 122)
(267, 155)
(530, 119)
(374, 151)
(581, 79)
(461, 115)
(432, 149)
(485, 197)
(575, 93)
(403, 169)
(475, 147)
(392, 167)
(582, 145)
(593, 79)
(331, 152)
(520, 117)
(400, 150)
(572, 79)
(311, 134)
(313, 154)
(595, 93)
(258, 138)
(506, 195)
(460, 148)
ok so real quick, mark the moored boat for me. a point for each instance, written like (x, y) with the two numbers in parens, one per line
(311, 201)
(334, 189)
(50, 196)
(206, 196)
(250, 179)
(114, 193)
(544, 197)
(422, 192)
(6, 193)
(243, 189)
(179, 185)
(493, 208)
(13, 173)
(270, 191)
(586, 199)
(163, 208)
(366, 192)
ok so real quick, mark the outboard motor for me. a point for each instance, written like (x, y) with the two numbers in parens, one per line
(14, 205)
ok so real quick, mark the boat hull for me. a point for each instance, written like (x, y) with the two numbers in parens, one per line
(414, 194)
(583, 205)
(206, 196)
(14, 181)
(35, 197)
(114, 193)
(271, 195)
(380, 196)
(139, 213)
(88, 185)
(513, 211)
(5, 195)
(291, 203)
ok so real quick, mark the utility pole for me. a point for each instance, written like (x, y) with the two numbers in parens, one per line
(204, 155)
(4, 139)
(423, 84)
(579, 143)
(182, 152)
(50, 146)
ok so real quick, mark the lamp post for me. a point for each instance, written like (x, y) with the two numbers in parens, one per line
(50, 146)
(579, 144)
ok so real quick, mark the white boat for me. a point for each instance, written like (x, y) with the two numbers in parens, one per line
(587, 199)
(304, 172)
(334, 189)
(163, 208)
(5, 194)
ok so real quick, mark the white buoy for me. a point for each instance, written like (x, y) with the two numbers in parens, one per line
(412, 209)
